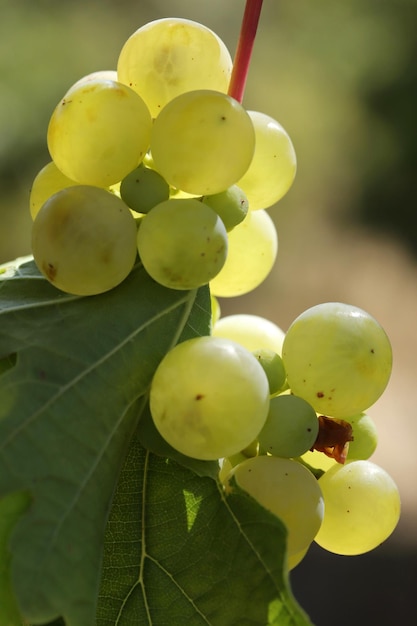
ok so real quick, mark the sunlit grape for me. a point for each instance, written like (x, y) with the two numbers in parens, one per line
(171, 56)
(362, 507)
(84, 240)
(272, 170)
(202, 142)
(47, 181)
(253, 332)
(182, 243)
(287, 489)
(209, 398)
(338, 358)
(253, 247)
(99, 132)
(365, 437)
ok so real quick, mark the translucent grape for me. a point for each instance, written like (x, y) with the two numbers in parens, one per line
(291, 427)
(338, 358)
(318, 460)
(253, 332)
(84, 240)
(99, 132)
(273, 167)
(231, 205)
(143, 189)
(209, 398)
(171, 56)
(202, 142)
(288, 490)
(47, 181)
(100, 74)
(365, 437)
(273, 367)
(362, 508)
(253, 247)
(182, 243)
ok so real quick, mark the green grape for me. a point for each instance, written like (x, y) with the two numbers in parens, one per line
(365, 437)
(253, 247)
(295, 559)
(362, 507)
(47, 181)
(272, 170)
(99, 132)
(273, 367)
(209, 398)
(253, 332)
(318, 460)
(171, 56)
(84, 240)
(291, 427)
(202, 142)
(231, 205)
(215, 310)
(100, 74)
(287, 489)
(182, 244)
(143, 188)
(338, 358)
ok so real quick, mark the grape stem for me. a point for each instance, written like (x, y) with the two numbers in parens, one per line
(244, 49)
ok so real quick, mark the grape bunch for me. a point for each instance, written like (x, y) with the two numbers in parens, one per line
(158, 161)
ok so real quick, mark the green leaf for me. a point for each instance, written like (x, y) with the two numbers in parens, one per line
(70, 402)
(178, 551)
(11, 508)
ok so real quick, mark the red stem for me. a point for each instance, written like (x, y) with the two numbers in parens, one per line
(244, 49)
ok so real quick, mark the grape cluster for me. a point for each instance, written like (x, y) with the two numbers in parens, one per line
(157, 160)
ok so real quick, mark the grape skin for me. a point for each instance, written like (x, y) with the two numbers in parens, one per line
(273, 167)
(202, 142)
(182, 243)
(287, 489)
(171, 56)
(362, 508)
(47, 181)
(99, 132)
(209, 398)
(84, 240)
(253, 247)
(253, 332)
(291, 427)
(338, 358)
(143, 188)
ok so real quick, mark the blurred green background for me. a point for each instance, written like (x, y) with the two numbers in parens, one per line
(341, 78)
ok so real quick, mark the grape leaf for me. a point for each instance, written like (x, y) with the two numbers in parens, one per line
(178, 551)
(76, 382)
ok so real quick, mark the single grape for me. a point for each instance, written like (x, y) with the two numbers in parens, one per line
(274, 369)
(231, 205)
(101, 74)
(209, 398)
(287, 489)
(215, 310)
(318, 460)
(47, 181)
(273, 167)
(365, 437)
(99, 132)
(202, 142)
(84, 240)
(253, 332)
(253, 247)
(362, 507)
(338, 358)
(171, 56)
(143, 188)
(291, 427)
(182, 244)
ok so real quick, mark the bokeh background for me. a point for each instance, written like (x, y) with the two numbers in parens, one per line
(341, 77)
